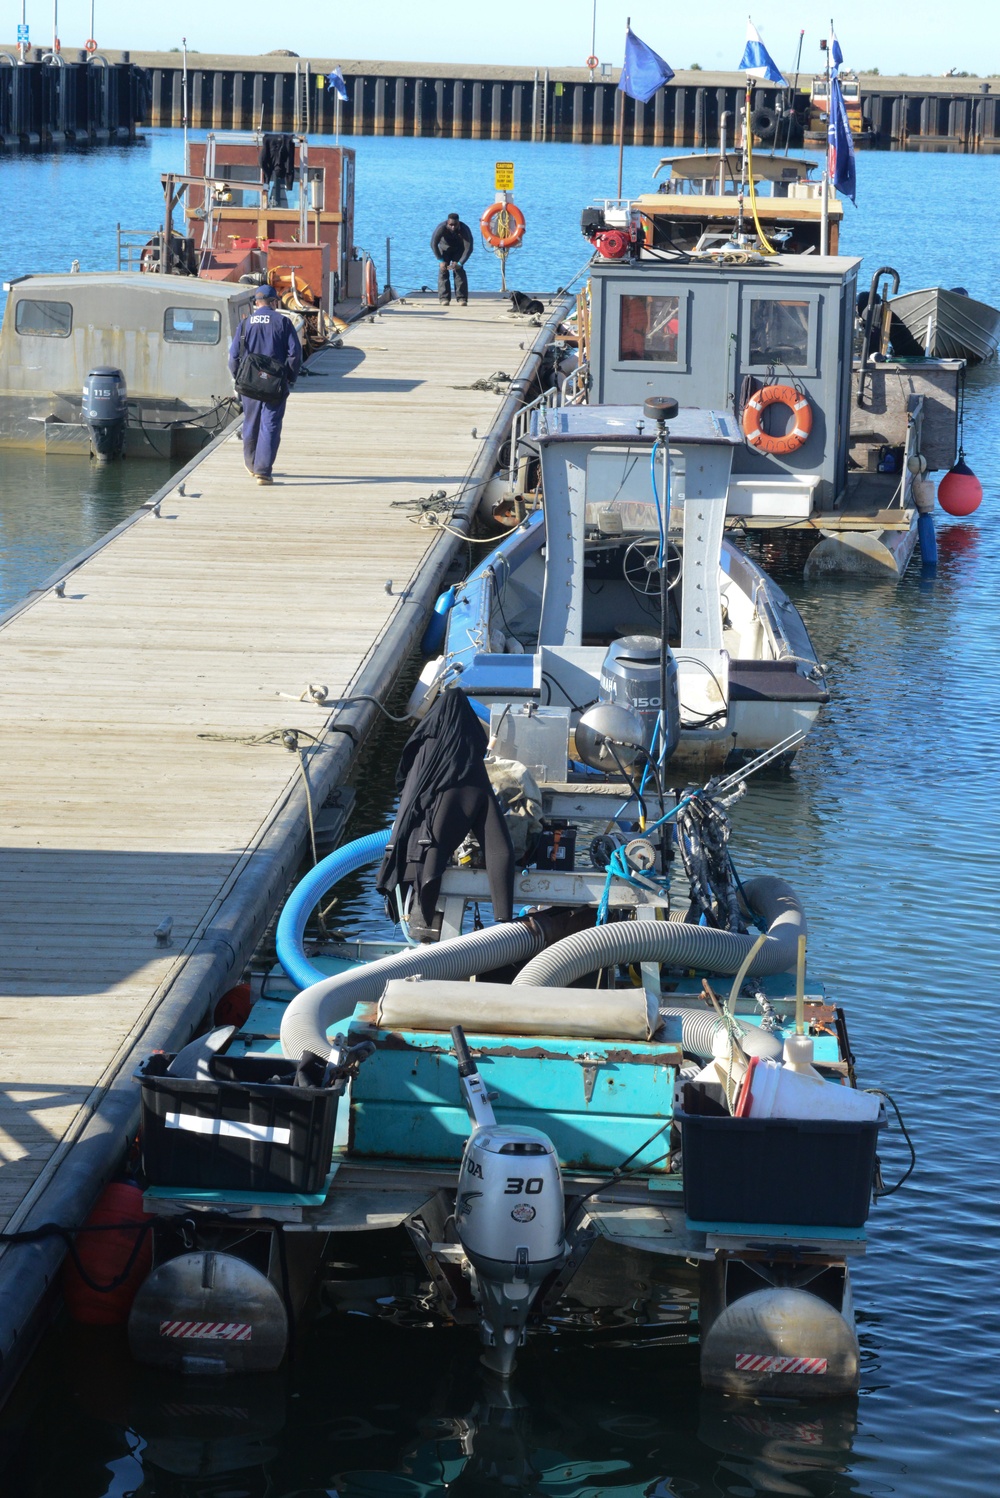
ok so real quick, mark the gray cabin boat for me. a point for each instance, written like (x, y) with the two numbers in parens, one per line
(836, 434)
(168, 336)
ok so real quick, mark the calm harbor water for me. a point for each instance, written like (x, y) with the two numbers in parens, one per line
(887, 827)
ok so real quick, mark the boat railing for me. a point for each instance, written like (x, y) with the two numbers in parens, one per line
(519, 428)
(576, 387)
(132, 244)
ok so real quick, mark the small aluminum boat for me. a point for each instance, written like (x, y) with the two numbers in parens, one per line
(944, 324)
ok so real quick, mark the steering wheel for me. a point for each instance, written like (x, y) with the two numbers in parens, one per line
(642, 572)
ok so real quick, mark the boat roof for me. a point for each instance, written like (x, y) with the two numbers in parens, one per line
(171, 286)
(692, 424)
(766, 168)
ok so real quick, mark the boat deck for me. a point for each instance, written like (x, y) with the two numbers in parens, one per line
(145, 694)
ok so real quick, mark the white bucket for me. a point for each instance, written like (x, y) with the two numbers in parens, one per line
(774, 1091)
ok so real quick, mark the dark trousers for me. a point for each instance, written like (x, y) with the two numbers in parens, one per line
(459, 810)
(261, 433)
(444, 284)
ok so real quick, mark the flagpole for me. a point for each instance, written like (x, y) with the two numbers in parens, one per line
(795, 89)
(621, 117)
(824, 223)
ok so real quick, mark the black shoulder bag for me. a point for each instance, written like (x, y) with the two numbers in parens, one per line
(258, 376)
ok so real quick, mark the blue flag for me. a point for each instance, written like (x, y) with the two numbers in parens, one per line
(643, 71)
(335, 83)
(757, 61)
(840, 146)
(836, 55)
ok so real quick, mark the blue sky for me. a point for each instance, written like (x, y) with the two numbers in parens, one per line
(924, 36)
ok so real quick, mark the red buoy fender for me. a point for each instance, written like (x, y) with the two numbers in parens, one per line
(960, 492)
(783, 395)
(113, 1253)
(513, 236)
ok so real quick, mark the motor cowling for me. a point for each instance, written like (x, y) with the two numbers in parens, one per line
(105, 412)
(612, 244)
(509, 1207)
(630, 677)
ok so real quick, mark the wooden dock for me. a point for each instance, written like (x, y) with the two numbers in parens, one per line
(145, 693)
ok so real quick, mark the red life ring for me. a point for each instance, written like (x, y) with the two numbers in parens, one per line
(56, 45)
(371, 283)
(782, 395)
(90, 46)
(502, 241)
(593, 62)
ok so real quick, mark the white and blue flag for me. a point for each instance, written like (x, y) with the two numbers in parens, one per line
(643, 71)
(833, 46)
(840, 146)
(757, 61)
(335, 83)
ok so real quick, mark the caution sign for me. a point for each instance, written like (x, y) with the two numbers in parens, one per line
(503, 176)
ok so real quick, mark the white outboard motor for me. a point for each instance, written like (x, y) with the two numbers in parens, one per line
(630, 677)
(105, 412)
(509, 1214)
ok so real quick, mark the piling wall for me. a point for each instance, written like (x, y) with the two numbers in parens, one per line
(78, 98)
(439, 100)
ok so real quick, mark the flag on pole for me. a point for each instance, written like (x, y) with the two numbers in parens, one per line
(840, 146)
(833, 47)
(643, 70)
(335, 83)
(757, 61)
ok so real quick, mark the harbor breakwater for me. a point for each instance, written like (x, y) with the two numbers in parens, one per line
(76, 96)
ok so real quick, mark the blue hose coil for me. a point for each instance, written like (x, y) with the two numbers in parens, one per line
(309, 891)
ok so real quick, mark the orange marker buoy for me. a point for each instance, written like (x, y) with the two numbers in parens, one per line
(960, 492)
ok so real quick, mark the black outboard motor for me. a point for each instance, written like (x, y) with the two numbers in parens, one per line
(630, 677)
(105, 412)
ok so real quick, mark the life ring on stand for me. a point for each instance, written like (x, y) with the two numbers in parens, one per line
(502, 241)
(780, 395)
(90, 46)
(593, 62)
(56, 45)
(371, 283)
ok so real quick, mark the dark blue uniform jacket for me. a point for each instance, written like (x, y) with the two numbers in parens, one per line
(268, 333)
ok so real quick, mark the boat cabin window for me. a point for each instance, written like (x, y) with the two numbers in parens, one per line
(43, 319)
(648, 328)
(192, 325)
(779, 332)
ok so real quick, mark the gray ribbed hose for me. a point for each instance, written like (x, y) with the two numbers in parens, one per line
(316, 1009)
(678, 944)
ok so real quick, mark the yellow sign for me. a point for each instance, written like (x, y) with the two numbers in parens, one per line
(503, 177)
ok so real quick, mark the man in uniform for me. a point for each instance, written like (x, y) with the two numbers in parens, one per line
(452, 244)
(267, 332)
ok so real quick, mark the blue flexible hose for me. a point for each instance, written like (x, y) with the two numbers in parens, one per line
(307, 894)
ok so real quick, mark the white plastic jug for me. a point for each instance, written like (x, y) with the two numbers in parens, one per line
(771, 1090)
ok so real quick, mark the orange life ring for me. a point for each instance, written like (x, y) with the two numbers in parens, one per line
(90, 46)
(592, 61)
(782, 395)
(56, 45)
(371, 283)
(502, 241)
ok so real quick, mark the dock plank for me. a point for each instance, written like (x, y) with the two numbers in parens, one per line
(132, 789)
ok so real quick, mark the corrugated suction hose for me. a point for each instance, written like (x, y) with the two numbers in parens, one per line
(678, 944)
(330, 1002)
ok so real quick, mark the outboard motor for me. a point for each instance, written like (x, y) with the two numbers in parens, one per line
(105, 412)
(630, 677)
(509, 1214)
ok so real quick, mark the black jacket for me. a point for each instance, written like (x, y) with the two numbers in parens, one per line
(277, 159)
(452, 245)
(444, 752)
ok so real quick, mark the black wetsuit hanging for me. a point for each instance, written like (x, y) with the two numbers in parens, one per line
(445, 793)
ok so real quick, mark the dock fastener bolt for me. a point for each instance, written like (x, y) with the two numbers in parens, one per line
(163, 930)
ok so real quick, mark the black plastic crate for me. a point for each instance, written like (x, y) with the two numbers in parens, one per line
(240, 1131)
(803, 1172)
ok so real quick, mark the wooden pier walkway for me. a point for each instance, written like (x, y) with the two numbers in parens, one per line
(138, 696)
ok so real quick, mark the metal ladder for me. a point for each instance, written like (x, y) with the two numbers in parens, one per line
(301, 121)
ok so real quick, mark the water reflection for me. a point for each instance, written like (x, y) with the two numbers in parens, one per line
(369, 1412)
